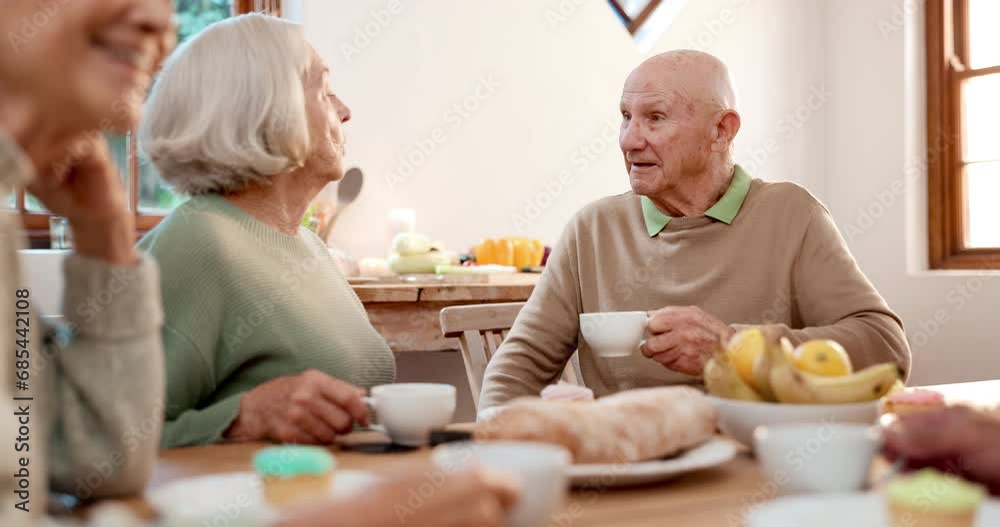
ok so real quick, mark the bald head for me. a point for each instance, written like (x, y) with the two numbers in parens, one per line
(678, 124)
(691, 75)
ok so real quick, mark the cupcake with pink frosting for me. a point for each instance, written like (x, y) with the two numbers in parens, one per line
(908, 401)
(565, 391)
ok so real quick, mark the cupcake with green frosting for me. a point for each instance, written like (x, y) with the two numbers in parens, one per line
(293, 474)
(931, 498)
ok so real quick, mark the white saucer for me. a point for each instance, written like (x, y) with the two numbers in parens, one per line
(854, 509)
(235, 494)
(712, 453)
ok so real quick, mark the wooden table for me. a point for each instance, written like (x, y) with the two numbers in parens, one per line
(715, 497)
(406, 314)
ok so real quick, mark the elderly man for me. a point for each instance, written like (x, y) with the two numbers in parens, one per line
(698, 243)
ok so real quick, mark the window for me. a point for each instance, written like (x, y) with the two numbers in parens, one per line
(963, 154)
(150, 198)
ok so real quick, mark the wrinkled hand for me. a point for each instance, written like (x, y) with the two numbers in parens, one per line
(309, 408)
(82, 186)
(87, 190)
(683, 338)
(959, 440)
(472, 498)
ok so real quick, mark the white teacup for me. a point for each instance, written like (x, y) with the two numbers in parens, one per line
(410, 411)
(614, 333)
(540, 468)
(805, 458)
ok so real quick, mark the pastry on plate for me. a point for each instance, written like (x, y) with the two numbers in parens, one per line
(627, 427)
(291, 474)
(909, 401)
(929, 498)
(565, 391)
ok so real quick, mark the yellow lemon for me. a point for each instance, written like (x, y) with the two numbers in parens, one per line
(822, 357)
(744, 348)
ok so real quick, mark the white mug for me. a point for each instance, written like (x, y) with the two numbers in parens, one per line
(614, 333)
(409, 412)
(822, 457)
(541, 469)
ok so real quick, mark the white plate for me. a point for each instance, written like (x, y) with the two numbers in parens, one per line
(227, 495)
(855, 509)
(714, 452)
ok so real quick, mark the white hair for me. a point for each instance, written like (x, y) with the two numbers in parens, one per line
(228, 109)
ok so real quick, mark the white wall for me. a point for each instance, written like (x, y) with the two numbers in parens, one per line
(877, 189)
(559, 65)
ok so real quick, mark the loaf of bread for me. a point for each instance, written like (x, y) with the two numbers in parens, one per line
(636, 425)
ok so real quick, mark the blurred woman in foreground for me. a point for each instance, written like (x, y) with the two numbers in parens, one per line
(65, 78)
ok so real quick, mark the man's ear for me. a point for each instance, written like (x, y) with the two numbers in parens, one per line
(726, 129)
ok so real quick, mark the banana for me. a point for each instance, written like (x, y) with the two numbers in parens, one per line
(762, 375)
(722, 380)
(797, 387)
(788, 383)
(868, 384)
(773, 342)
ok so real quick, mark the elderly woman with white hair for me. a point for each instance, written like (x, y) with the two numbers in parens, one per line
(264, 339)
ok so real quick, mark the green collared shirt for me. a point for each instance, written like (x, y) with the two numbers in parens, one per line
(724, 210)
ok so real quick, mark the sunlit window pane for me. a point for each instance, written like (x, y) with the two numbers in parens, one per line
(11, 201)
(984, 39)
(981, 101)
(155, 197)
(195, 15)
(982, 192)
(31, 204)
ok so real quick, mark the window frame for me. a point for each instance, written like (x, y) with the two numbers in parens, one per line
(36, 224)
(947, 50)
(634, 24)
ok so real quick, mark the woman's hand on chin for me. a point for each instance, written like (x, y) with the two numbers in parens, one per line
(85, 187)
(309, 408)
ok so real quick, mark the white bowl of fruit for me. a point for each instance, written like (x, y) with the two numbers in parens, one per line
(759, 379)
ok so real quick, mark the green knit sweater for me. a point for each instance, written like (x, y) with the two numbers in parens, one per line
(245, 304)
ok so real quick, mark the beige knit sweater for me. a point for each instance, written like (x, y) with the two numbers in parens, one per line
(781, 262)
(96, 388)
